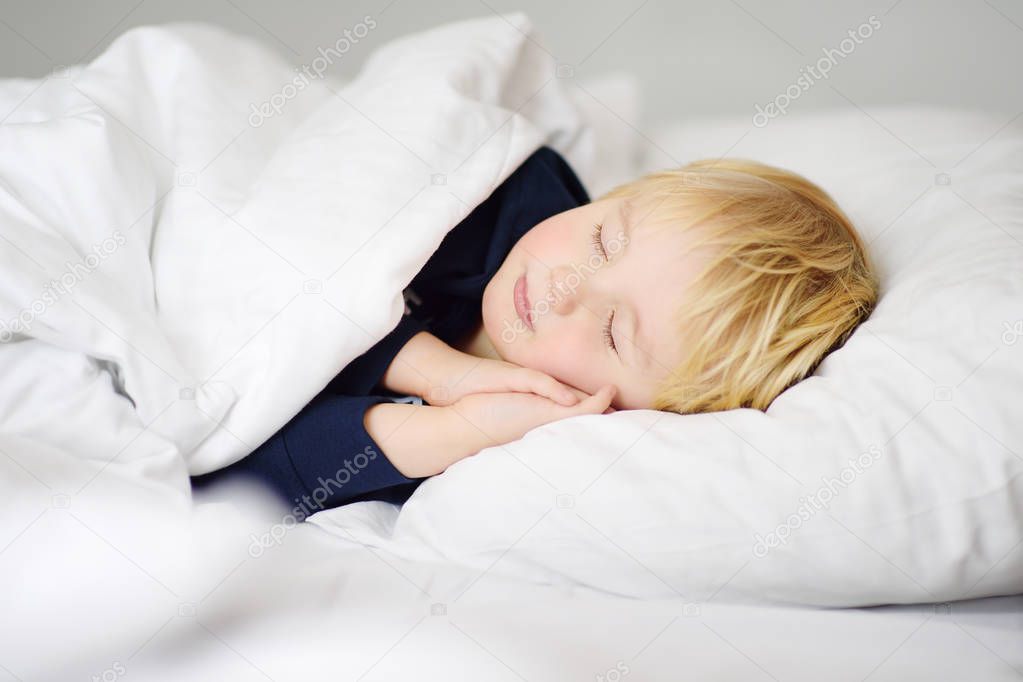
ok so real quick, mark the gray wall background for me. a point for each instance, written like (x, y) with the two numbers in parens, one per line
(692, 58)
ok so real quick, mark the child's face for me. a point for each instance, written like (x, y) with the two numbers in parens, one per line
(573, 290)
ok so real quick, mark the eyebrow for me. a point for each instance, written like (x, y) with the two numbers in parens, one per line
(639, 356)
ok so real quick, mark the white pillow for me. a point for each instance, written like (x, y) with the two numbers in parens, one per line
(923, 398)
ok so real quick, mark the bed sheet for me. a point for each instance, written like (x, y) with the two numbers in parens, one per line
(312, 606)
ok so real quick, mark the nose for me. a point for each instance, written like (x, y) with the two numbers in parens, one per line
(566, 289)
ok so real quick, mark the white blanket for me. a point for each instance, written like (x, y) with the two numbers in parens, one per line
(167, 245)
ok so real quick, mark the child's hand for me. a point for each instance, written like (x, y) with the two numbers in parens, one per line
(489, 419)
(440, 374)
(461, 374)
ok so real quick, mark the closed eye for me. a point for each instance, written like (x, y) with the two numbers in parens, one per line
(609, 339)
(598, 229)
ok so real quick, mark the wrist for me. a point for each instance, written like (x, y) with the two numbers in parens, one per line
(405, 373)
(420, 440)
(429, 367)
(466, 435)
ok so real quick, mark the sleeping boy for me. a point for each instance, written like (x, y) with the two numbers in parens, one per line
(709, 287)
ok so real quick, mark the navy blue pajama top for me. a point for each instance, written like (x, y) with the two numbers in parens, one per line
(324, 457)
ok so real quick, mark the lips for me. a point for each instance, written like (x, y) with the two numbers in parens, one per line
(521, 298)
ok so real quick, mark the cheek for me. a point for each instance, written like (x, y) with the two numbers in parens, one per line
(542, 247)
(547, 244)
(562, 361)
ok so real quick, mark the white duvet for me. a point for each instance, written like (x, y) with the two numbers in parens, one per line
(224, 271)
(178, 282)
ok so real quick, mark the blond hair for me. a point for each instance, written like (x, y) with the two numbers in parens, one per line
(787, 280)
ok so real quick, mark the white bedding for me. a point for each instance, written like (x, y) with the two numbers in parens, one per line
(319, 607)
(253, 263)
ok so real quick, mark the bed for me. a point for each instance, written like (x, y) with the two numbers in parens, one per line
(636, 545)
(317, 605)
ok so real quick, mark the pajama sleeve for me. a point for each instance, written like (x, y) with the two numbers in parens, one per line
(335, 459)
(324, 457)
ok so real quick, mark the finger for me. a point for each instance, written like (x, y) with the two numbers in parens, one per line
(560, 393)
(581, 395)
(611, 408)
(598, 402)
(543, 384)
